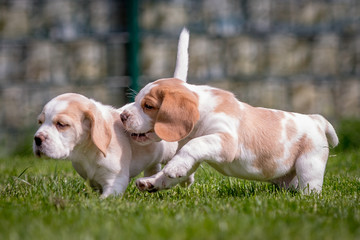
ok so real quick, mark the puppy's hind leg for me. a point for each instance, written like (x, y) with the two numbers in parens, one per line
(289, 181)
(310, 169)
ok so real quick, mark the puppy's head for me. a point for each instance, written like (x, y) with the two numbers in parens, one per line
(165, 109)
(69, 120)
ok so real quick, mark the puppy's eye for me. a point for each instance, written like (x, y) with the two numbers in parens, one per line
(61, 125)
(149, 107)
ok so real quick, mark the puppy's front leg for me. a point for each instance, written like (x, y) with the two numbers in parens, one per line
(181, 167)
(159, 182)
(115, 185)
(189, 157)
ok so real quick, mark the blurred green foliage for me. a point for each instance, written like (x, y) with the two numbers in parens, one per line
(348, 131)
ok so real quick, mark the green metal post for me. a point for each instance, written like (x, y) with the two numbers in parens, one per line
(133, 47)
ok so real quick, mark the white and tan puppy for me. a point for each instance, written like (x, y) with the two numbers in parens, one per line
(211, 125)
(92, 136)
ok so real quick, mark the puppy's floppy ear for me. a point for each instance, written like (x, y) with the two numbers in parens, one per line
(100, 131)
(177, 116)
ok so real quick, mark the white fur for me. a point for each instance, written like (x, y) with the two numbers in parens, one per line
(203, 144)
(124, 158)
(182, 59)
(293, 162)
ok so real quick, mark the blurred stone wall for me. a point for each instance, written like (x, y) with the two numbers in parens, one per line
(295, 55)
(50, 47)
(301, 56)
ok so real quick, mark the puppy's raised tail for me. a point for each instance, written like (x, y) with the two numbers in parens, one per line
(182, 59)
(331, 135)
(329, 130)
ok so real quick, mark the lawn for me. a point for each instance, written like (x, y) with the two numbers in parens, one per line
(46, 199)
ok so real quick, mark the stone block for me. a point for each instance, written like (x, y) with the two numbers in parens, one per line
(325, 99)
(60, 21)
(245, 55)
(206, 57)
(268, 93)
(303, 95)
(11, 64)
(14, 20)
(260, 15)
(281, 13)
(357, 55)
(223, 18)
(347, 95)
(310, 13)
(99, 16)
(345, 15)
(346, 60)
(288, 55)
(240, 89)
(14, 107)
(46, 63)
(162, 16)
(325, 55)
(158, 57)
(312, 97)
(37, 99)
(275, 94)
(116, 53)
(87, 61)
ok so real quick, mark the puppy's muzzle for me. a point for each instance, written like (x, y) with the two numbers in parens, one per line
(124, 117)
(39, 139)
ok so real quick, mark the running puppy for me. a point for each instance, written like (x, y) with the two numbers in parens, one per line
(92, 136)
(211, 125)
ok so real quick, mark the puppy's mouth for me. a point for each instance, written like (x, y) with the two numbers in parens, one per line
(144, 138)
(141, 137)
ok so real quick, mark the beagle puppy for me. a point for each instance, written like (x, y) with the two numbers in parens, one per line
(239, 140)
(92, 136)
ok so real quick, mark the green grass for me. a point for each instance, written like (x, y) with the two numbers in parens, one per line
(46, 199)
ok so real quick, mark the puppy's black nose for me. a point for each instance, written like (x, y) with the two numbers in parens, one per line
(124, 116)
(38, 140)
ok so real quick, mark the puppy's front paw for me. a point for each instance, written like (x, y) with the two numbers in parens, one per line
(177, 170)
(145, 185)
(106, 193)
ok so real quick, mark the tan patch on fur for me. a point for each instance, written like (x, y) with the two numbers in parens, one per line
(175, 111)
(290, 129)
(320, 130)
(75, 111)
(79, 109)
(227, 103)
(229, 146)
(302, 146)
(100, 131)
(260, 132)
